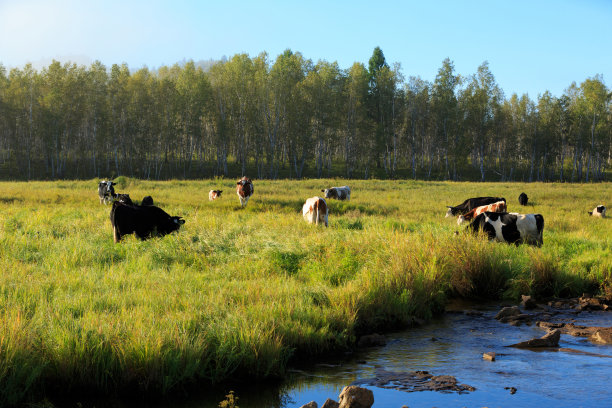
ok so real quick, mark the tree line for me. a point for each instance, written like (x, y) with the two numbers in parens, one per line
(295, 118)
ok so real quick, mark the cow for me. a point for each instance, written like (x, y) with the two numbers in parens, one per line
(513, 228)
(471, 203)
(148, 200)
(599, 211)
(123, 199)
(214, 194)
(244, 189)
(315, 210)
(144, 221)
(106, 191)
(499, 206)
(523, 199)
(339, 193)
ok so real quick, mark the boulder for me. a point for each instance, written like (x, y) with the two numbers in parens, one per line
(311, 404)
(603, 335)
(489, 355)
(372, 340)
(528, 302)
(507, 312)
(330, 403)
(550, 339)
(356, 397)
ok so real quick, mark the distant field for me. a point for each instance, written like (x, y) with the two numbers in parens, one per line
(240, 292)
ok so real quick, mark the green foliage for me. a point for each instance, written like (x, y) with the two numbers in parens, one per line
(242, 292)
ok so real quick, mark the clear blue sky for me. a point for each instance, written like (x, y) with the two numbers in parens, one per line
(531, 46)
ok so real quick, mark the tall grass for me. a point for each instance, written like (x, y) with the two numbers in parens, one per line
(242, 292)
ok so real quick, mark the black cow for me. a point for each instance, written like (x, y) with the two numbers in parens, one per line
(471, 203)
(106, 191)
(148, 200)
(513, 228)
(523, 199)
(144, 221)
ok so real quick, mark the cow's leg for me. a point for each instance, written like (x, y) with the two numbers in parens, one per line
(116, 234)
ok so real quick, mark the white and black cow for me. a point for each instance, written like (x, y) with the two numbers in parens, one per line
(315, 210)
(599, 211)
(471, 203)
(106, 191)
(523, 199)
(144, 221)
(339, 193)
(513, 228)
(244, 189)
(214, 194)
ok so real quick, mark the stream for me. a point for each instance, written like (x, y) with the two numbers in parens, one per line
(576, 375)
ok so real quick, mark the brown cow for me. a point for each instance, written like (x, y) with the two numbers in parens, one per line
(244, 189)
(315, 210)
(499, 206)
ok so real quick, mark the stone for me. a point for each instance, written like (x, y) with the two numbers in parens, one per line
(311, 404)
(372, 340)
(511, 389)
(330, 403)
(507, 312)
(603, 335)
(489, 355)
(528, 302)
(550, 339)
(356, 397)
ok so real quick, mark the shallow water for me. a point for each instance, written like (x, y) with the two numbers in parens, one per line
(451, 345)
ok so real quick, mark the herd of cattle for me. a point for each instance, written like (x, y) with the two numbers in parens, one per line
(487, 214)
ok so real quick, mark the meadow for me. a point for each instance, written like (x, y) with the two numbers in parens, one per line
(246, 292)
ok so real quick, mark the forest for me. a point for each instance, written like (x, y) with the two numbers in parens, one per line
(294, 118)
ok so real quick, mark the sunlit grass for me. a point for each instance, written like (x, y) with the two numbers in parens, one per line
(240, 292)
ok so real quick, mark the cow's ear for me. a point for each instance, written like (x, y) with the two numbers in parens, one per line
(590, 212)
(113, 183)
(322, 191)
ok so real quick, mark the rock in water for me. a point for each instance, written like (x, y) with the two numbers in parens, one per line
(507, 312)
(550, 339)
(356, 397)
(528, 302)
(489, 355)
(330, 403)
(311, 404)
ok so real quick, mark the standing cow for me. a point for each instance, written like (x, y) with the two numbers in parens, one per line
(315, 210)
(214, 194)
(339, 193)
(513, 228)
(599, 211)
(106, 191)
(244, 189)
(523, 199)
(144, 221)
(471, 203)
(499, 206)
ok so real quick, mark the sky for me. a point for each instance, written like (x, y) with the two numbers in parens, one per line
(531, 46)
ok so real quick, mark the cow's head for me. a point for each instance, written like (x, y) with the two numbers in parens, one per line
(449, 213)
(123, 199)
(330, 193)
(219, 193)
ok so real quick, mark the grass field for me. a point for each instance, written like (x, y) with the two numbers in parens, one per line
(242, 292)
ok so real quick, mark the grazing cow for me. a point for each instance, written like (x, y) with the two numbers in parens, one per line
(214, 194)
(244, 189)
(148, 200)
(523, 199)
(499, 206)
(315, 210)
(513, 228)
(471, 203)
(106, 191)
(599, 211)
(144, 221)
(339, 193)
(123, 199)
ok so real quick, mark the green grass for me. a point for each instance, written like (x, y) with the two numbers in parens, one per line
(242, 292)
